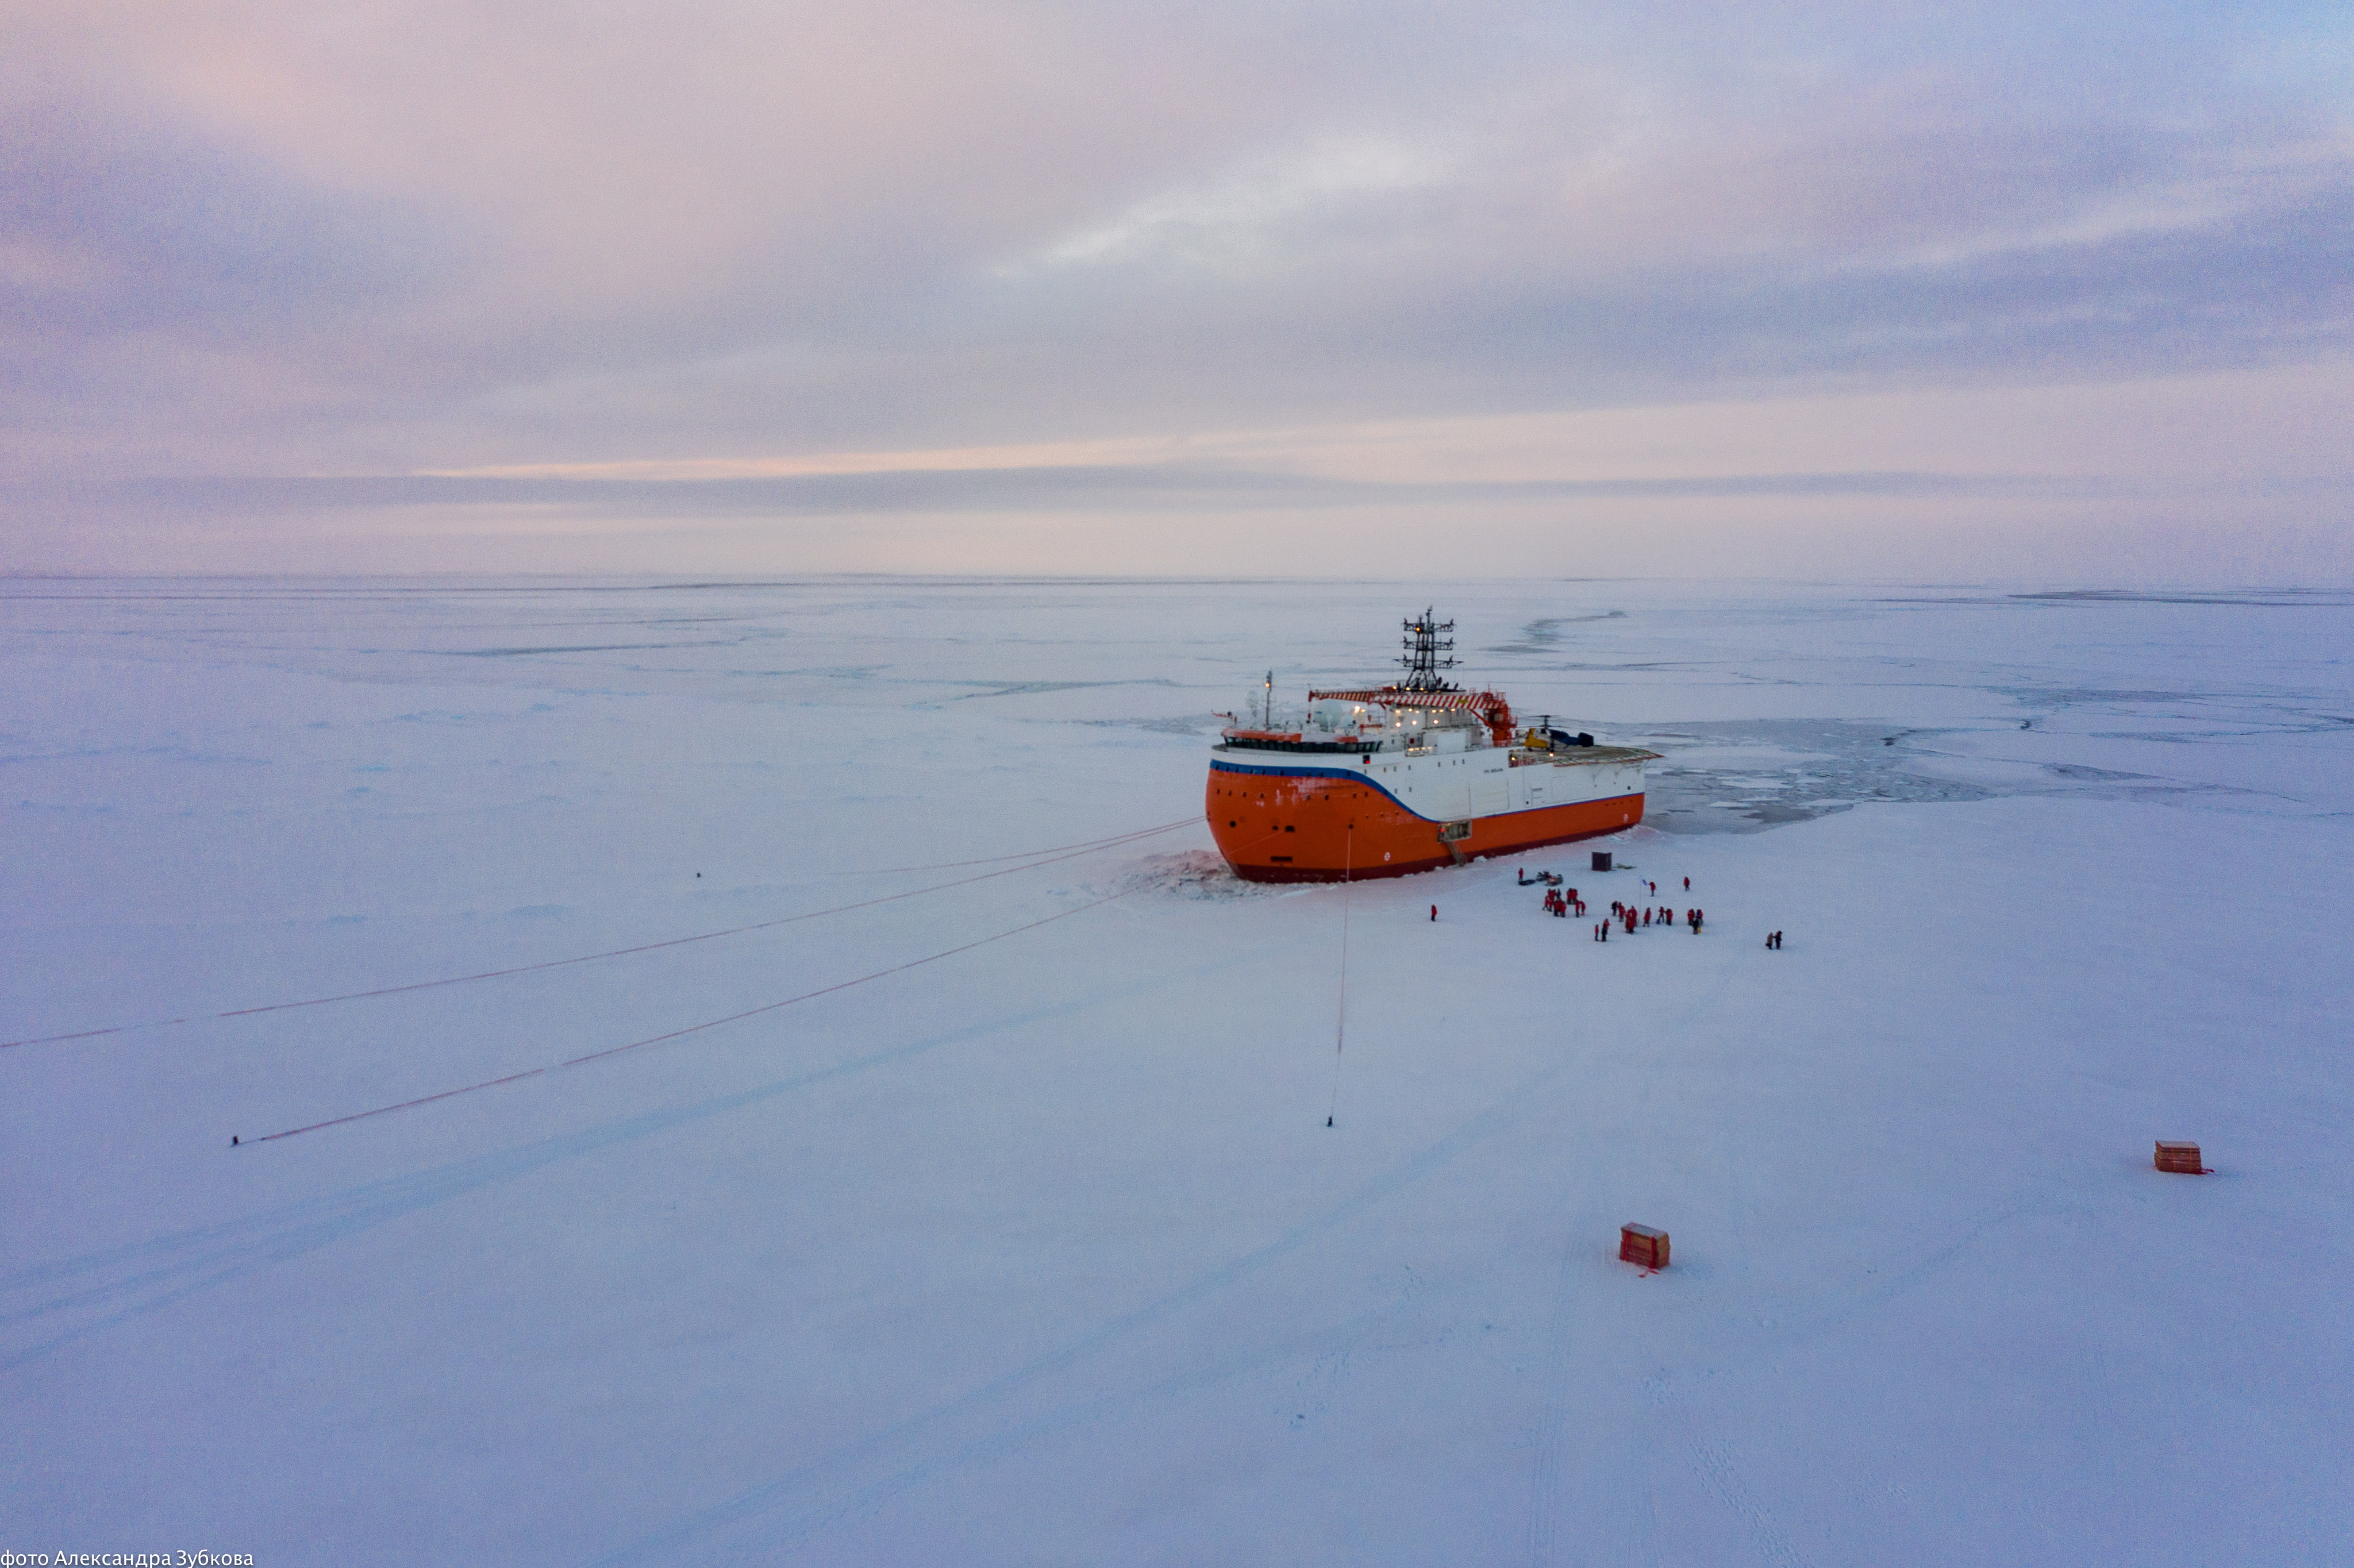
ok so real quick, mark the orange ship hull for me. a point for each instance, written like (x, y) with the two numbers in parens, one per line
(1279, 824)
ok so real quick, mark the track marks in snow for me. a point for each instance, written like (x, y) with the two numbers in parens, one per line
(1931, 1262)
(1618, 1075)
(831, 1500)
(1311, 1392)
(827, 1489)
(1713, 1462)
(1552, 1381)
(134, 1280)
(1200, 876)
(70, 1299)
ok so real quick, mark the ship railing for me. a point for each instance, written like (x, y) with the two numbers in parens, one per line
(1264, 741)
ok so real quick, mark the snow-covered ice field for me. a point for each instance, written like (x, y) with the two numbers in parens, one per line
(1042, 1252)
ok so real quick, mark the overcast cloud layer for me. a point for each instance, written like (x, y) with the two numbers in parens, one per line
(937, 286)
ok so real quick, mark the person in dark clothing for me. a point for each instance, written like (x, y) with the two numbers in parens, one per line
(1687, 885)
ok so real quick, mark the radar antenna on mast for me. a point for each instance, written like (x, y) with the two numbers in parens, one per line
(1426, 639)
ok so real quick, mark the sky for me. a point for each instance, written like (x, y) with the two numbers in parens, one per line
(1962, 293)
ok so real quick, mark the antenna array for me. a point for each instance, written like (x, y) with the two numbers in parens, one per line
(1426, 639)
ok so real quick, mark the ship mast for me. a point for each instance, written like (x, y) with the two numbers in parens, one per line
(1426, 638)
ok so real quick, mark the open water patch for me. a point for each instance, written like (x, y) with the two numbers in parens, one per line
(2253, 599)
(1747, 776)
(1185, 725)
(1039, 688)
(574, 648)
(1543, 636)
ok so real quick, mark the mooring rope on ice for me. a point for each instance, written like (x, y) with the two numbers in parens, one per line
(1340, 1025)
(710, 1023)
(690, 1029)
(1053, 856)
(1116, 838)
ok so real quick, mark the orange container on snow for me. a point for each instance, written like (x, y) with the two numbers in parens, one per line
(2181, 1159)
(1642, 1244)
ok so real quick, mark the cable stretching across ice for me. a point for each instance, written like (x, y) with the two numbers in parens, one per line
(690, 1029)
(1056, 853)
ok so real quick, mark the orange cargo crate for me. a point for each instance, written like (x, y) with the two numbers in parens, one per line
(1644, 1245)
(2182, 1159)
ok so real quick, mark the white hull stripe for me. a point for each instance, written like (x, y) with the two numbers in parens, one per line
(1218, 765)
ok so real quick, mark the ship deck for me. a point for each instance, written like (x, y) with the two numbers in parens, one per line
(1523, 756)
(1581, 756)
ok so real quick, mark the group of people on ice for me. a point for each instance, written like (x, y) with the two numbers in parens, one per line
(1635, 918)
(1562, 902)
